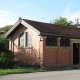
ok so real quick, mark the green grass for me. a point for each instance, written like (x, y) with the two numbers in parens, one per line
(18, 71)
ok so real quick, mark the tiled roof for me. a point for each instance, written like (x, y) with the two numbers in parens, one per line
(52, 29)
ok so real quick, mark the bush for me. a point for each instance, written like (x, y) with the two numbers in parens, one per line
(18, 64)
(4, 55)
(5, 61)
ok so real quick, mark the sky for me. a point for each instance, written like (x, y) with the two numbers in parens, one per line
(38, 10)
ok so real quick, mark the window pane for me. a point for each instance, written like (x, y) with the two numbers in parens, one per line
(22, 40)
(65, 42)
(51, 41)
(29, 40)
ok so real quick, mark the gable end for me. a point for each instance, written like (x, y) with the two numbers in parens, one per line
(23, 23)
(13, 27)
(30, 27)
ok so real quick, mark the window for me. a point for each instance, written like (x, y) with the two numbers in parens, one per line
(28, 40)
(25, 40)
(21, 40)
(51, 41)
(65, 42)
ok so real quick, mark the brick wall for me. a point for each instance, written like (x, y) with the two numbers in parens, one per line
(57, 56)
(26, 55)
(45, 56)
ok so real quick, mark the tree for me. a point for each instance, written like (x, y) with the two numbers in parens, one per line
(4, 53)
(70, 23)
(4, 41)
(77, 22)
(62, 21)
(3, 44)
(6, 29)
(5, 61)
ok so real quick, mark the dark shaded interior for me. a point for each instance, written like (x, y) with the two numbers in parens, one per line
(75, 53)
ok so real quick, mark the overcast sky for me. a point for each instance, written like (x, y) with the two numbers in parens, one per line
(39, 10)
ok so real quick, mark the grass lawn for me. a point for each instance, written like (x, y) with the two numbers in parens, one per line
(18, 71)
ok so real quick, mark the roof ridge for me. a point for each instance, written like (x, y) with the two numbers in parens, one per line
(40, 22)
(35, 21)
(50, 24)
(48, 28)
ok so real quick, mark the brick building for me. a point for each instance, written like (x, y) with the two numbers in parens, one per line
(44, 43)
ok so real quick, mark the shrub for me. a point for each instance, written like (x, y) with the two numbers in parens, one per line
(4, 55)
(5, 61)
(24, 65)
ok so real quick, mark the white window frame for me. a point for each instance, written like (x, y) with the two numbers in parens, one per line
(27, 40)
(20, 38)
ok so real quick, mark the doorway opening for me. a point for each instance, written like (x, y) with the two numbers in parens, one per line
(75, 53)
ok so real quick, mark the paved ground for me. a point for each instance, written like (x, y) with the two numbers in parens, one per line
(52, 75)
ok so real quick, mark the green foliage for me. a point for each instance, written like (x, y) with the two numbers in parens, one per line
(70, 23)
(64, 22)
(19, 70)
(3, 44)
(4, 55)
(5, 61)
(61, 21)
(77, 22)
(6, 29)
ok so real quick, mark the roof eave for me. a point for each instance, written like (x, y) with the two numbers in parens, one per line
(30, 27)
(13, 27)
(45, 34)
(23, 23)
